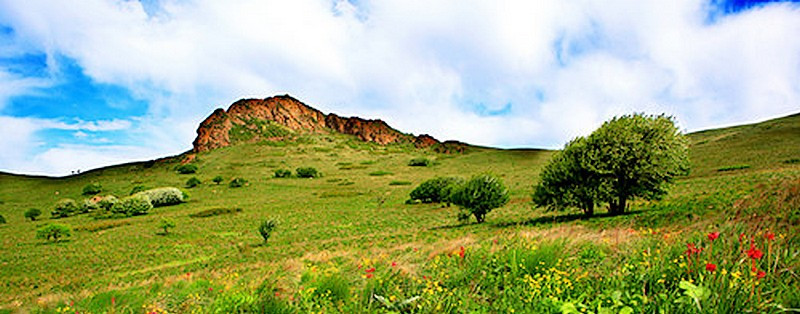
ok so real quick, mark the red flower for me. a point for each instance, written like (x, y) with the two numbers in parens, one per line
(691, 249)
(461, 252)
(113, 300)
(711, 267)
(741, 237)
(394, 264)
(754, 253)
(761, 274)
(713, 236)
(769, 235)
(210, 289)
(370, 276)
(370, 270)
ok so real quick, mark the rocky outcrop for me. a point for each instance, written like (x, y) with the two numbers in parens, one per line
(278, 117)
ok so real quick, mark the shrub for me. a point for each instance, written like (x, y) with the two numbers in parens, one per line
(193, 182)
(107, 202)
(65, 208)
(137, 189)
(134, 205)
(215, 212)
(186, 169)
(92, 189)
(420, 162)
(266, 228)
(435, 190)
(380, 173)
(791, 161)
(397, 182)
(33, 213)
(307, 172)
(2, 219)
(53, 231)
(88, 205)
(165, 196)
(237, 183)
(732, 168)
(165, 224)
(218, 179)
(283, 173)
(480, 195)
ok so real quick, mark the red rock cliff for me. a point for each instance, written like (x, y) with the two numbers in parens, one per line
(287, 112)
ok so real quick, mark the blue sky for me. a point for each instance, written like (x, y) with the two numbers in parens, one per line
(94, 83)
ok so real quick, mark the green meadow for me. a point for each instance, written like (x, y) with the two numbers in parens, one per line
(348, 241)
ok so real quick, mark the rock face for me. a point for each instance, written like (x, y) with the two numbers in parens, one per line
(278, 117)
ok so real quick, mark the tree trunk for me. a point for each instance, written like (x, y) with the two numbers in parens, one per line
(589, 210)
(479, 217)
(622, 204)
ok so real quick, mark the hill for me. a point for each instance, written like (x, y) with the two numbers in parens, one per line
(349, 235)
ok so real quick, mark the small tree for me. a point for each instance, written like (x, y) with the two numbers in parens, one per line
(566, 182)
(218, 180)
(192, 182)
(92, 189)
(480, 195)
(266, 228)
(165, 224)
(33, 213)
(53, 231)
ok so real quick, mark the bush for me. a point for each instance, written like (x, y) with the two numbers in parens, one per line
(380, 173)
(88, 205)
(92, 189)
(218, 179)
(33, 213)
(732, 168)
(420, 162)
(186, 169)
(166, 224)
(137, 189)
(2, 219)
(398, 182)
(107, 202)
(165, 196)
(283, 173)
(193, 182)
(266, 228)
(307, 172)
(435, 190)
(65, 208)
(237, 183)
(134, 205)
(53, 231)
(480, 195)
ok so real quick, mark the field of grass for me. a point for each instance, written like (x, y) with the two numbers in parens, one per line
(347, 242)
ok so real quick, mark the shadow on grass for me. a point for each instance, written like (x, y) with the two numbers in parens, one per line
(561, 219)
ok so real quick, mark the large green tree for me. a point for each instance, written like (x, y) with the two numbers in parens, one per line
(630, 156)
(480, 195)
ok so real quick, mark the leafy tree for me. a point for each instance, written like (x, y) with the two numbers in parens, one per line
(218, 179)
(266, 228)
(627, 157)
(33, 213)
(53, 231)
(165, 224)
(92, 189)
(480, 195)
(193, 182)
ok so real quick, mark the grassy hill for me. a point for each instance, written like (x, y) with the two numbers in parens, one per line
(332, 230)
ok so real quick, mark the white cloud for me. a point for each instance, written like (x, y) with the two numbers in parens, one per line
(425, 66)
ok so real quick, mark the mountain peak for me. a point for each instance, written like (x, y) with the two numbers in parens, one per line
(279, 117)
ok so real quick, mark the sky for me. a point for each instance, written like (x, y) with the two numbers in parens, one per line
(92, 83)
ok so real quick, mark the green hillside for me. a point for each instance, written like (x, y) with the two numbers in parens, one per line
(333, 229)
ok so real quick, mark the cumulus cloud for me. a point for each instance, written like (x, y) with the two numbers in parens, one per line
(507, 73)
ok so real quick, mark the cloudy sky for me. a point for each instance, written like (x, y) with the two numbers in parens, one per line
(91, 83)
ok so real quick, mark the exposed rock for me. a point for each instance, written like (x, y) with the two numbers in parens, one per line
(277, 117)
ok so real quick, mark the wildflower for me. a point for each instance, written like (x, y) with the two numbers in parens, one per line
(741, 237)
(769, 235)
(370, 270)
(210, 289)
(461, 252)
(691, 249)
(370, 275)
(754, 253)
(713, 236)
(113, 301)
(394, 264)
(761, 274)
(711, 267)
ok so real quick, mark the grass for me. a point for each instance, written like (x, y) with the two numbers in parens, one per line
(335, 230)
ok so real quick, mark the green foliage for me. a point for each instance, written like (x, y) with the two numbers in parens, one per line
(733, 168)
(2, 219)
(420, 162)
(98, 203)
(237, 183)
(380, 173)
(65, 208)
(134, 205)
(137, 189)
(92, 188)
(165, 224)
(186, 169)
(164, 196)
(436, 190)
(53, 232)
(266, 228)
(215, 212)
(193, 182)
(33, 213)
(627, 157)
(398, 182)
(480, 195)
(218, 180)
(283, 173)
(107, 202)
(792, 161)
(307, 172)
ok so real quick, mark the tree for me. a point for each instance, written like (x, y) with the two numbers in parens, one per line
(33, 213)
(435, 190)
(217, 179)
(627, 157)
(266, 227)
(53, 231)
(166, 224)
(480, 195)
(193, 182)
(92, 189)
(566, 181)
